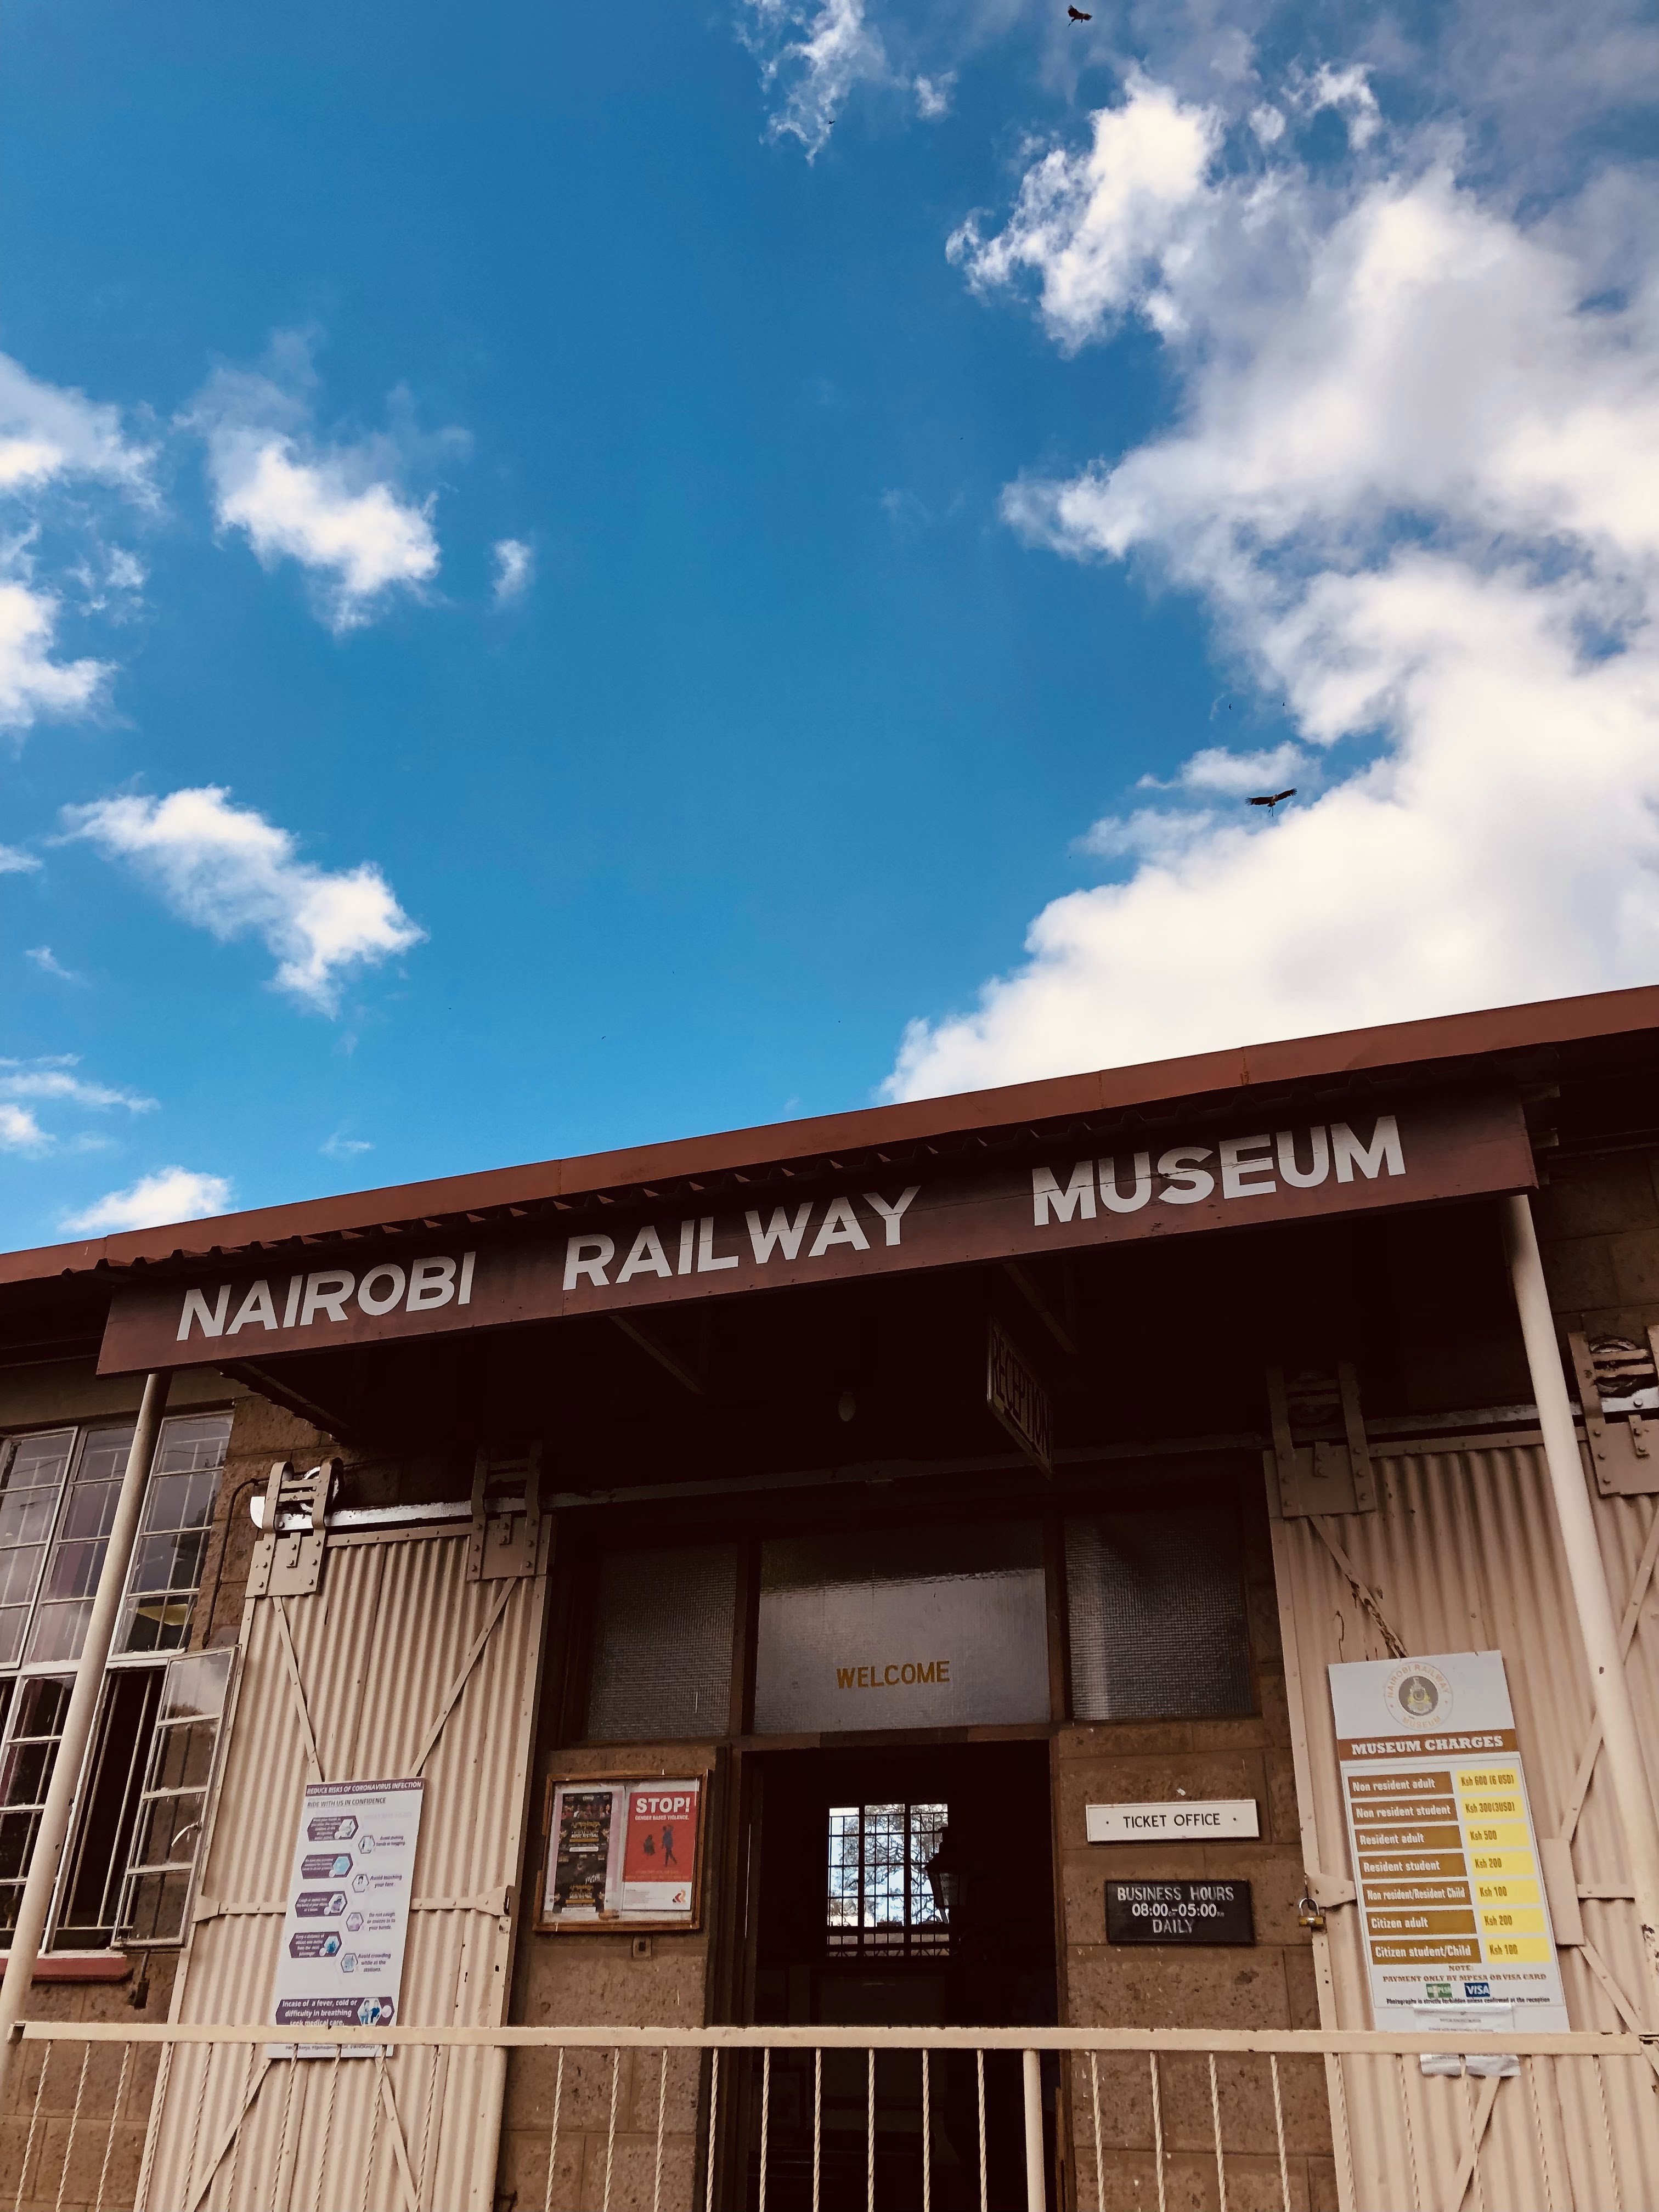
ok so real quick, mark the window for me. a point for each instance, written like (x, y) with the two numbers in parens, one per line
(880, 1899)
(153, 1744)
(662, 1644)
(1157, 1606)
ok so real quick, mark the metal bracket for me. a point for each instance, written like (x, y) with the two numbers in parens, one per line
(287, 1560)
(1620, 1447)
(506, 1530)
(1324, 1477)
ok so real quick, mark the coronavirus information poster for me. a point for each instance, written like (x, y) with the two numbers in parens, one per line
(347, 1919)
(1451, 1892)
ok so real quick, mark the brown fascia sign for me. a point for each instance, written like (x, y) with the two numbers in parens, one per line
(1430, 1146)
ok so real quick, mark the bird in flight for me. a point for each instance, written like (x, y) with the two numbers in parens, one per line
(1270, 802)
(1080, 15)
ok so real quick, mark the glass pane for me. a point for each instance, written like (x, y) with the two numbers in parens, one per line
(36, 1719)
(662, 1644)
(903, 1628)
(155, 1909)
(880, 1897)
(77, 1551)
(30, 1481)
(103, 1830)
(1157, 1607)
(167, 1568)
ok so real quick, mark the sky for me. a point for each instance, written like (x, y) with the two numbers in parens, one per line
(572, 577)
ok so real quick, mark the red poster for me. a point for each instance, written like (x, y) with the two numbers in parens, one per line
(659, 1856)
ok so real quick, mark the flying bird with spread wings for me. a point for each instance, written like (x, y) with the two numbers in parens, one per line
(1080, 15)
(1270, 802)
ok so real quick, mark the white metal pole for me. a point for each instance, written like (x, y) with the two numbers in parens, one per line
(1626, 1768)
(52, 1834)
(1034, 2193)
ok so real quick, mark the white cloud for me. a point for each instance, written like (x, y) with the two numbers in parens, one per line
(33, 685)
(339, 1147)
(835, 49)
(515, 569)
(1349, 92)
(933, 95)
(50, 1078)
(47, 432)
(16, 862)
(340, 510)
(228, 870)
(1415, 478)
(1105, 227)
(49, 965)
(168, 1195)
(1237, 775)
(20, 1132)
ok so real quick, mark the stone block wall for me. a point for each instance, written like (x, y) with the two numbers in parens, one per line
(1269, 1984)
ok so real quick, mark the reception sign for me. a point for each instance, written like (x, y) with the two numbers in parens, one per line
(931, 1214)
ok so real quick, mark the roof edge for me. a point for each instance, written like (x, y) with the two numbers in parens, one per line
(1396, 1044)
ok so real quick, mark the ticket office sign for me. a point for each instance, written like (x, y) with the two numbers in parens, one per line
(1450, 1891)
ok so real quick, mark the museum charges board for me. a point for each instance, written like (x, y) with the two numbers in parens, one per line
(1439, 1146)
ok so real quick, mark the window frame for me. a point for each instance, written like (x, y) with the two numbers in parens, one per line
(15, 1674)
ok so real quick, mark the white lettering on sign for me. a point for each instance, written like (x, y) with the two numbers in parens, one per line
(588, 1258)
(1251, 1167)
(326, 1297)
(1182, 1819)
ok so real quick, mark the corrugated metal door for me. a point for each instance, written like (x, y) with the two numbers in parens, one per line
(1462, 1553)
(398, 1665)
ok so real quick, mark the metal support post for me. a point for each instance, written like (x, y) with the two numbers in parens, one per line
(1036, 2196)
(52, 1834)
(1573, 1512)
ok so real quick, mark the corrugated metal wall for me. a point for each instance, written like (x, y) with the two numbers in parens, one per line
(377, 1651)
(1462, 1553)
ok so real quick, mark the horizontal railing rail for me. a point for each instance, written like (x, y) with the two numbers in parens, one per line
(222, 2117)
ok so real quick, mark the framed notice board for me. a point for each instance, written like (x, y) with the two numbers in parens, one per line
(622, 1851)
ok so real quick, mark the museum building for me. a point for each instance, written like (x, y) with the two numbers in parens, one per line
(1098, 1554)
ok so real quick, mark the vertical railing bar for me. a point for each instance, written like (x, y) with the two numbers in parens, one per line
(328, 2129)
(1531, 2066)
(714, 2115)
(610, 2131)
(1279, 2131)
(377, 2098)
(1411, 2133)
(114, 2121)
(153, 2132)
(817, 2124)
(287, 2109)
(34, 2120)
(1215, 2121)
(984, 2188)
(1468, 2097)
(75, 2122)
(206, 2054)
(1158, 2129)
(1094, 2097)
(553, 2139)
(766, 2117)
(926, 2139)
(236, 2139)
(439, 2056)
(869, 2136)
(662, 2111)
(1607, 2136)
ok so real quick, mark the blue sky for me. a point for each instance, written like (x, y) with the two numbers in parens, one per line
(898, 434)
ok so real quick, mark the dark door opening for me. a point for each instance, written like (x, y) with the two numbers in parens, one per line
(910, 1887)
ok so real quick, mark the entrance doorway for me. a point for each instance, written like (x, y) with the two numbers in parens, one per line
(904, 1887)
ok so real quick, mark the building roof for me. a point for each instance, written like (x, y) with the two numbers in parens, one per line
(1504, 1033)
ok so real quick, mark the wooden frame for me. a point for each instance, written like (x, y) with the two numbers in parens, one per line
(617, 1920)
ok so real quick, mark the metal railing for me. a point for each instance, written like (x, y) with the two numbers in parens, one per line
(113, 2117)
